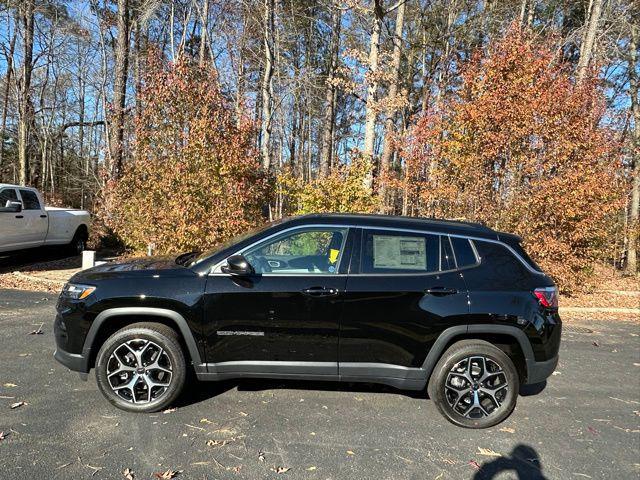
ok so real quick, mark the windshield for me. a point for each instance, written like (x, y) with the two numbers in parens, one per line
(233, 240)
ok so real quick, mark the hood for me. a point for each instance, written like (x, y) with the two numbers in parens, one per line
(143, 266)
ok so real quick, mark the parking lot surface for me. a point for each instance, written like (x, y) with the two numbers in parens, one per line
(584, 424)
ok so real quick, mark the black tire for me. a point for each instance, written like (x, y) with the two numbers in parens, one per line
(489, 412)
(78, 243)
(138, 333)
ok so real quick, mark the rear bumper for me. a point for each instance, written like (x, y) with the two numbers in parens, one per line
(539, 371)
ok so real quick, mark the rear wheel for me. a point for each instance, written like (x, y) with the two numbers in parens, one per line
(78, 242)
(475, 384)
(141, 368)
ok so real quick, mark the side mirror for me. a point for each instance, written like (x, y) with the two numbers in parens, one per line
(12, 207)
(239, 266)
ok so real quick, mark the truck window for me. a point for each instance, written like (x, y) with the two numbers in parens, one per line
(7, 195)
(29, 200)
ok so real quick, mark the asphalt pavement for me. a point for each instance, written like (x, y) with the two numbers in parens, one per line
(584, 424)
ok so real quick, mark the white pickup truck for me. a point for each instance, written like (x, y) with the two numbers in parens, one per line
(26, 223)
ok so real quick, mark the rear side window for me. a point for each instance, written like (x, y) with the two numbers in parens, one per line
(399, 252)
(463, 250)
(7, 195)
(29, 200)
(447, 261)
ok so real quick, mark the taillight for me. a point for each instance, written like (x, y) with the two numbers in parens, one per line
(547, 296)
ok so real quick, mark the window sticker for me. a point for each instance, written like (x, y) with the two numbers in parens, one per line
(407, 253)
(333, 255)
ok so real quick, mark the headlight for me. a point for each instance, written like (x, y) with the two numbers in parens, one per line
(76, 291)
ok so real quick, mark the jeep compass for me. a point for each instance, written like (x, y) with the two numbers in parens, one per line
(453, 308)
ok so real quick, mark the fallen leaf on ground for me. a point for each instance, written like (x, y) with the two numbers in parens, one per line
(508, 430)
(168, 475)
(474, 464)
(17, 404)
(488, 452)
(219, 443)
(243, 414)
(349, 452)
(280, 470)
(595, 344)
(261, 456)
(592, 430)
(637, 412)
(170, 410)
(556, 373)
(3, 436)
(206, 420)
(128, 474)
(37, 331)
(9, 385)
(311, 469)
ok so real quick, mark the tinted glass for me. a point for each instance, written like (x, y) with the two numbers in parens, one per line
(29, 200)
(314, 251)
(446, 254)
(7, 195)
(521, 251)
(399, 252)
(503, 267)
(465, 255)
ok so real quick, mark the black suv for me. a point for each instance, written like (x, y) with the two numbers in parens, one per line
(455, 307)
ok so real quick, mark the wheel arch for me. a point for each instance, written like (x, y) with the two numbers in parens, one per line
(512, 340)
(111, 320)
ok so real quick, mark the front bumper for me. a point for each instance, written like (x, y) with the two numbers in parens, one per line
(539, 371)
(78, 362)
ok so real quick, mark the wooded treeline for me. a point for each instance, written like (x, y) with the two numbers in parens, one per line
(319, 86)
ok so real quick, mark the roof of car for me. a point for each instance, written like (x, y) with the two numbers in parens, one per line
(395, 221)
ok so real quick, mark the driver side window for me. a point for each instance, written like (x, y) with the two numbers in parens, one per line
(313, 251)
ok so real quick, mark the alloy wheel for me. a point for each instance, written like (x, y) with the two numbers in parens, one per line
(476, 387)
(139, 371)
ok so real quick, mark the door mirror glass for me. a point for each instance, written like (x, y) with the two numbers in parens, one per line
(238, 265)
(12, 207)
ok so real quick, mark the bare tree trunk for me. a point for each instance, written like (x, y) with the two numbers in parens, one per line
(204, 28)
(634, 220)
(588, 39)
(328, 122)
(267, 84)
(119, 90)
(5, 95)
(25, 110)
(371, 113)
(389, 128)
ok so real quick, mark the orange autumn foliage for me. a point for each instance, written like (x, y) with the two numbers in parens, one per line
(195, 178)
(521, 148)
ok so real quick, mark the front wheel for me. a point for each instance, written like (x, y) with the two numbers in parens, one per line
(141, 368)
(474, 384)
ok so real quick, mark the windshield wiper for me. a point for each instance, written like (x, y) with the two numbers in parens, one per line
(184, 258)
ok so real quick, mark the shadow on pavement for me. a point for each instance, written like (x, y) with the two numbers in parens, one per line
(530, 390)
(524, 461)
(196, 391)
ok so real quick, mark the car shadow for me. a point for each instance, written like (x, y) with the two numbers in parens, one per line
(523, 461)
(196, 391)
(533, 389)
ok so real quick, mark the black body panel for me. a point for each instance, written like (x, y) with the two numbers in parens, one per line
(366, 326)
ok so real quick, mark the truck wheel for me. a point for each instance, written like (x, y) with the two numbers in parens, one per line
(78, 243)
(474, 384)
(141, 368)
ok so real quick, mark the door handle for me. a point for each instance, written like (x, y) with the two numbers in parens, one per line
(43, 216)
(19, 216)
(320, 291)
(441, 291)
